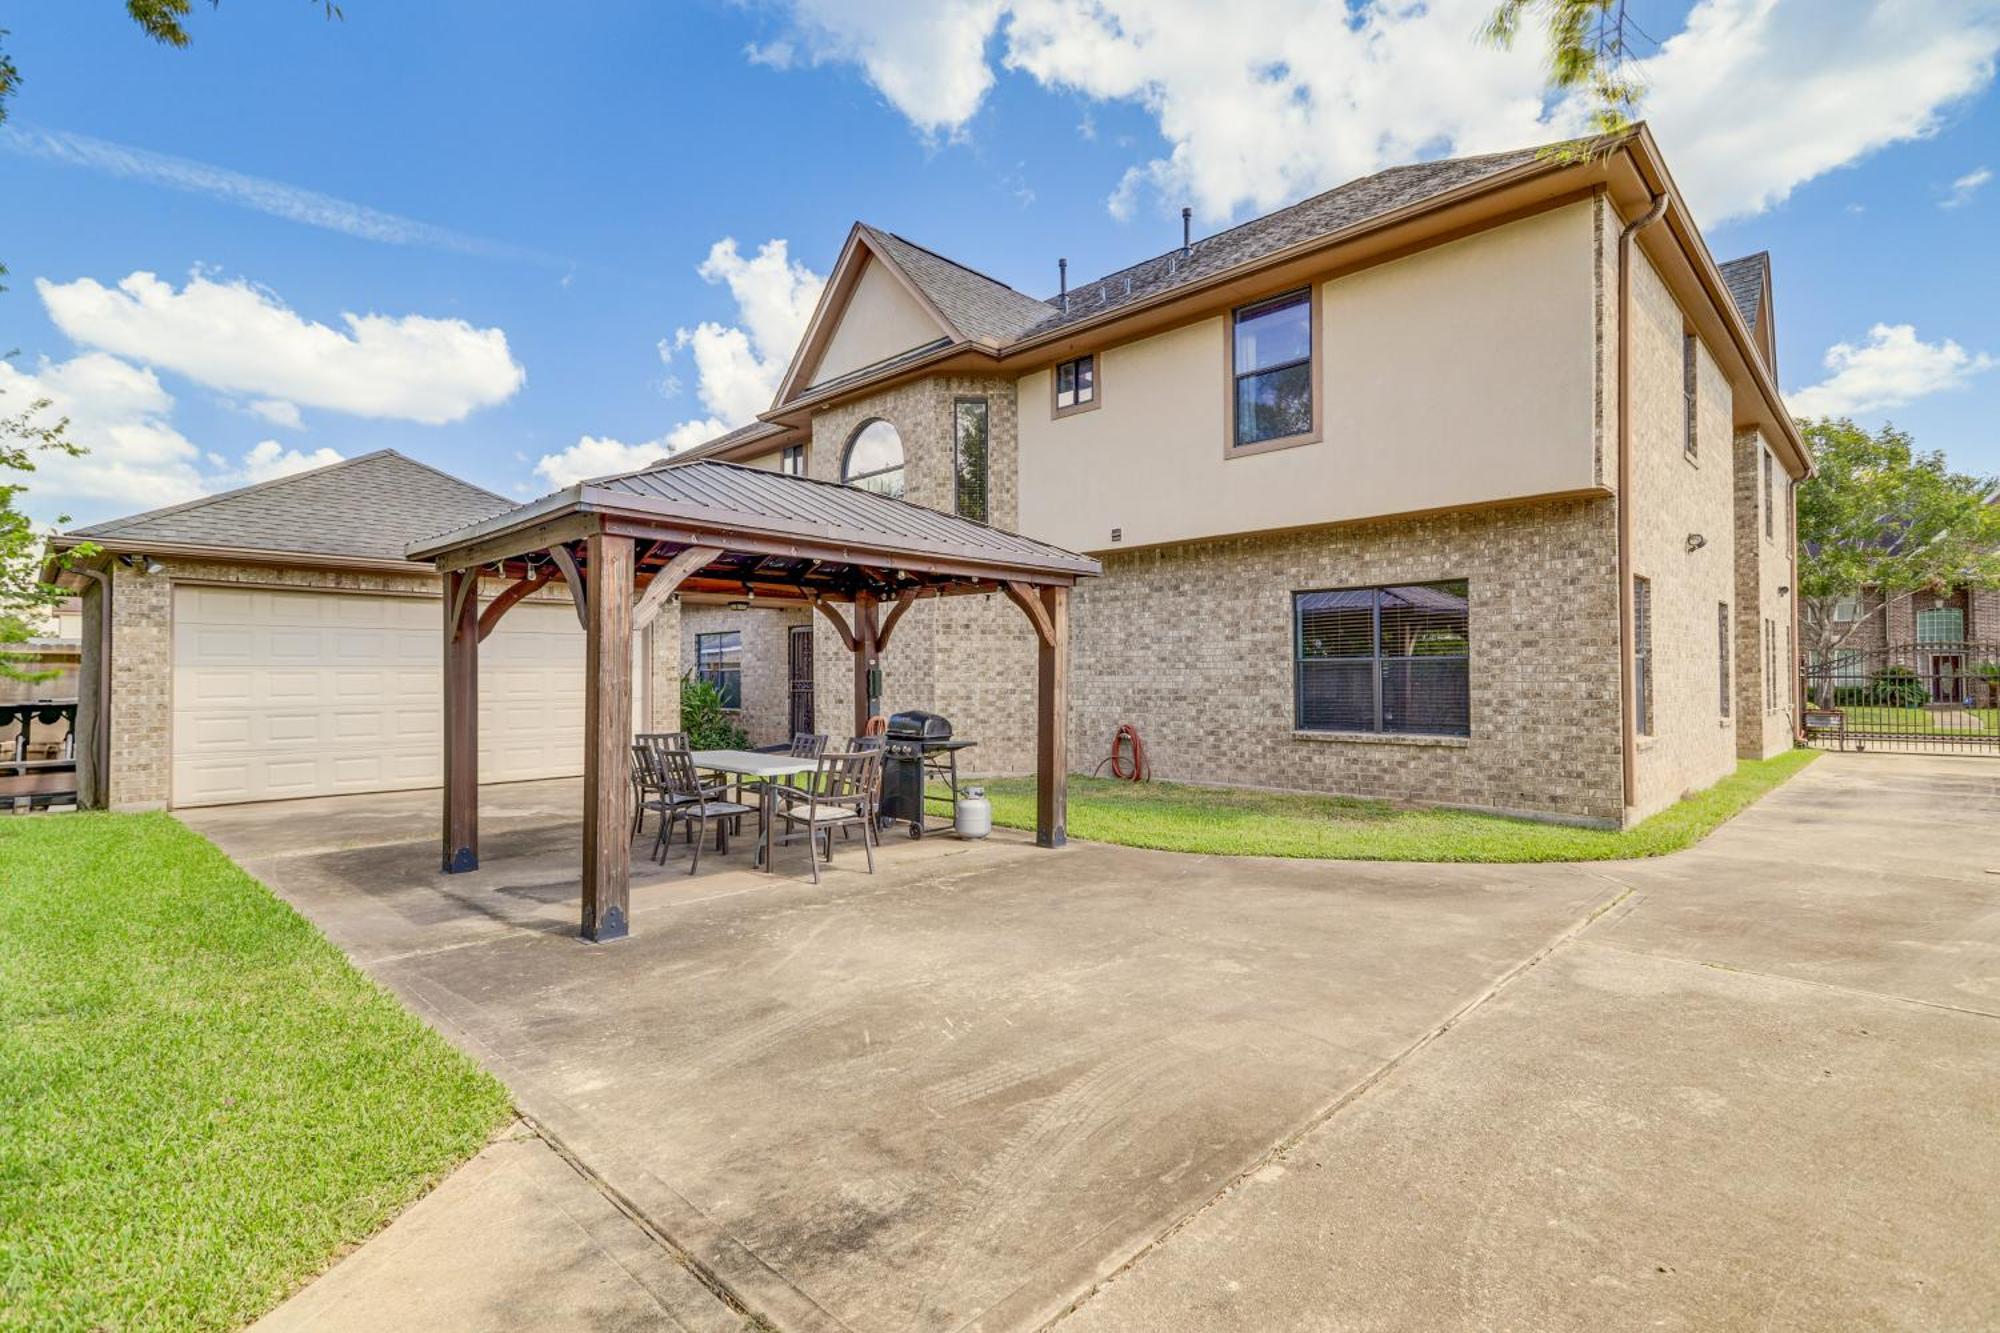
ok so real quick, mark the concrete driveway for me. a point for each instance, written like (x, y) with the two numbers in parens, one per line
(994, 1087)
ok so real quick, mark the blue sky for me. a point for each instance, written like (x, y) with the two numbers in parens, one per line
(526, 199)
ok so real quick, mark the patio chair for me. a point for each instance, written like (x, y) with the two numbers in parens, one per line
(688, 802)
(844, 792)
(648, 773)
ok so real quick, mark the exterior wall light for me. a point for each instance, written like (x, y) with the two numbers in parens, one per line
(1695, 542)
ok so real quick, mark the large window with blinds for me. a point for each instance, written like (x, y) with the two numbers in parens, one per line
(968, 453)
(1390, 659)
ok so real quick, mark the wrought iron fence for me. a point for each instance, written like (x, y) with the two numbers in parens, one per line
(1940, 697)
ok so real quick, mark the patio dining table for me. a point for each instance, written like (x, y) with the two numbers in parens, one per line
(766, 770)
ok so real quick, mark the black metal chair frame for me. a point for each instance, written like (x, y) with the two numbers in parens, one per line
(843, 793)
(688, 802)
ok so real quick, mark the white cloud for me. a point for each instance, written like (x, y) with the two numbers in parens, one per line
(737, 366)
(242, 339)
(268, 460)
(600, 455)
(120, 414)
(257, 193)
(278, 412)
(1892, 368)
(1965, 187)
(1751, 99)
(135, 458)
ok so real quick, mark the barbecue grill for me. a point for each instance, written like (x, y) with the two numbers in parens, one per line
(916, 747)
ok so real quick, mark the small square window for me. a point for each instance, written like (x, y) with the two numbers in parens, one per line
(1076, 385)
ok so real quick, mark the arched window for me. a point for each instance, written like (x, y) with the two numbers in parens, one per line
(874, 460)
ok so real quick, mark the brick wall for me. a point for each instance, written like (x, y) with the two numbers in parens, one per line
(1675, 497)
(1192, 645)
(766, 712)
(970, 658)
(1764, 707)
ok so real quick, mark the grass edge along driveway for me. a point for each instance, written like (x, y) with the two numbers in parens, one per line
(201, 1101)
(1233, 821)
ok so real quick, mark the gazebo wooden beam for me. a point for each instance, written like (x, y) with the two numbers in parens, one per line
(1052, 723)
(607, 741)
(670, 576)
(840, 626)
(573, 577)
(867, 660)
(461, 721)
(513, 593)
(904, 601)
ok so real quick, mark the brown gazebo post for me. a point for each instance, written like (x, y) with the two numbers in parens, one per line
(461, 720)
(607, 738)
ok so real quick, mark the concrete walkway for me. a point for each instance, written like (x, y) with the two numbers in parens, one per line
(994, 1087)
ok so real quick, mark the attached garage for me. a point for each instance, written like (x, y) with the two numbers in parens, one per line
(280, 694)
(273, 643)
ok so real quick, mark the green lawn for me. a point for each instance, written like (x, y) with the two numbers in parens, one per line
(201, 1102)
(1235, 822)
(1917, 721)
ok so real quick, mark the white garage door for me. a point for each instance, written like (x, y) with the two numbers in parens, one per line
(282, 694)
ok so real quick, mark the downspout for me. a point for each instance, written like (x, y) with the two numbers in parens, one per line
(1629, 737)
(100, 731)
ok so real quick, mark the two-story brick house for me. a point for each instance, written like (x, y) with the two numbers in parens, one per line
(1467, 482)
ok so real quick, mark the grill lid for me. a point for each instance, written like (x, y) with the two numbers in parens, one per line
(919, 725)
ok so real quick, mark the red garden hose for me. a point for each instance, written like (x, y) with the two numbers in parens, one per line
(1128, 754)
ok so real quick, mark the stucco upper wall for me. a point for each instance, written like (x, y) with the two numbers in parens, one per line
(1456, 376)
(880, 320)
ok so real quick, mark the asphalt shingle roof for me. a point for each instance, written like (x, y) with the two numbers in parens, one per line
(1745, 279)
(982, 308)
(369, 507)
(1321, 215)
(991, 311)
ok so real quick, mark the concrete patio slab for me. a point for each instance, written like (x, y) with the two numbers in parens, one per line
(514, 1239)
(994, 1087)
(949, 1095)
(1761, 1093)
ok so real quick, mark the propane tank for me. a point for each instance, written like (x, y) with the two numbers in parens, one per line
(975, 814)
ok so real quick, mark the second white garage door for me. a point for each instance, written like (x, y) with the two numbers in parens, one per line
(284, 694)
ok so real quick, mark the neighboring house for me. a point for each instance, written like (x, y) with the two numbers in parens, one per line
(1353, 470)
(1416, 489)
(272, 641)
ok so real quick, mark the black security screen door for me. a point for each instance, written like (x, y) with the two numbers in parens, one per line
(800, 661)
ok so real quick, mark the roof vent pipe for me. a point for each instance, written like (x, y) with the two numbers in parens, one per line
(1062, 276)
(1187, 230)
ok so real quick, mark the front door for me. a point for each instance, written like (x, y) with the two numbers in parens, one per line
(801, 664)
(1946, 684)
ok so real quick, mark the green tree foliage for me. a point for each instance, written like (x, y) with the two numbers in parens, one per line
(1882, 516)
(1589, 45)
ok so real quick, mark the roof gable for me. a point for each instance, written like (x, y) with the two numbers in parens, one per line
(878, 318)
(369, 507)
(1749, 282)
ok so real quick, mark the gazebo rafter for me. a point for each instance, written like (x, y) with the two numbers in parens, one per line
(625, 545)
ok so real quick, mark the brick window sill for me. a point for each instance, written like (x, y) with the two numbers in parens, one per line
(1383, 738)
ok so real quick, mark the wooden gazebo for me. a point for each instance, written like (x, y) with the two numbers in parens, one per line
(623, 545)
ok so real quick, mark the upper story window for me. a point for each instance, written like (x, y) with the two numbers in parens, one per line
(1076, 385)
(1393, 659)
(874, 460)
(1690, 380)
(1846, 610)
(1770, 516)
(969, 418)
(1271, 370)
(792, 462)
